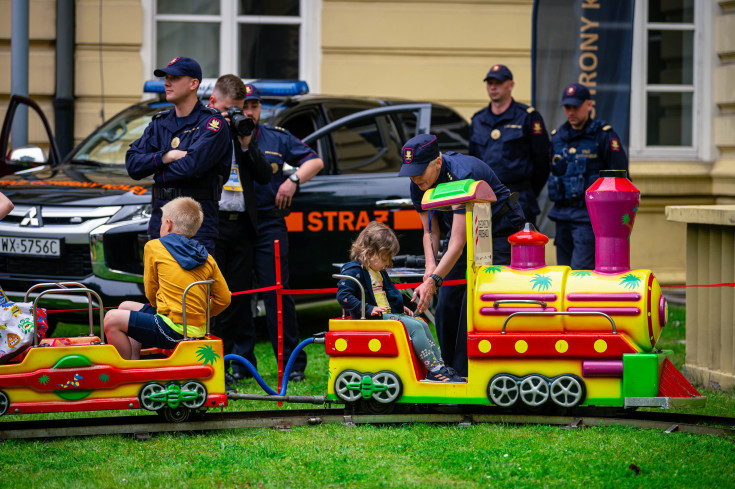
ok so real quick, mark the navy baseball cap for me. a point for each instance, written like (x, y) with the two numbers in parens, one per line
(500, 73)
(417, 153)
(181, 66)
(575, 94)
(252, 93)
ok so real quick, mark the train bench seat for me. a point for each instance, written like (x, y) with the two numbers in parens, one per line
(71, 341)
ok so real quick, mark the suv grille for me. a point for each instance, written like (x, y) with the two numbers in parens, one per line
(75, 263)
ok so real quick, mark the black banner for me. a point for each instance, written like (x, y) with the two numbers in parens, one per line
(588, 42)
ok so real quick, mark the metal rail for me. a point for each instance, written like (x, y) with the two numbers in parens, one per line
(208, 283)
(64, 285)
(285, 419)
(362, 291)
(67, 291)
(560, 313)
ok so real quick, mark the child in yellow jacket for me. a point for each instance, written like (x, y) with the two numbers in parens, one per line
(171, 263)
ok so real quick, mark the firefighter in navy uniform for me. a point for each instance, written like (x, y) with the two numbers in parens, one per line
(512, 139)
(581, 147)
(273, 201)
(427, 168)
(186, 149)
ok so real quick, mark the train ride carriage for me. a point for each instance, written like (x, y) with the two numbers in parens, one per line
(538, 336)
(85, 374)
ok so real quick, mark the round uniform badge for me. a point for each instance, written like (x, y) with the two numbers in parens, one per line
(175, 143)
(572, 151)
(495, 134)
(274, 166)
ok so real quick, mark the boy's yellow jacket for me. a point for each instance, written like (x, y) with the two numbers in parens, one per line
(171, 264)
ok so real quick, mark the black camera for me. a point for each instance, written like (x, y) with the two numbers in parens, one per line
(241, 124)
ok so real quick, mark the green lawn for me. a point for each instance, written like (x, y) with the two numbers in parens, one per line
(424, 456)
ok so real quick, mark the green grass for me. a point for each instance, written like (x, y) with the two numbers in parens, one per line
(420, 455)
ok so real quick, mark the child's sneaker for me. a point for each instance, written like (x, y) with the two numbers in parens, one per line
(443, 375)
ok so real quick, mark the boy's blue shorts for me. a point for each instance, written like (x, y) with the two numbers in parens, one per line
(150, 330)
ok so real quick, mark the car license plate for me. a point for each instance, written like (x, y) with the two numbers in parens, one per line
(13, 245)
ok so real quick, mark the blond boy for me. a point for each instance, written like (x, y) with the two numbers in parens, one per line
(171, 263)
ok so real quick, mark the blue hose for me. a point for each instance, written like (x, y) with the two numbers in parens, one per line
(287, 371)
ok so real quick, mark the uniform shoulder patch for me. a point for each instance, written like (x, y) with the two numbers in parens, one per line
(279, 128)
(161, 114)
(531, 110)
(615, 144)
(553, 132)
(537, 128)
(606, 127)
(214, 124)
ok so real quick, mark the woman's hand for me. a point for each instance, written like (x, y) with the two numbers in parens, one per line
(424, 293)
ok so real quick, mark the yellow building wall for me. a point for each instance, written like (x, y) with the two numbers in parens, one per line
(41, 62)
(435, 50)
(431, 50)
(723, 171)
(117, 69)
(117, 66)
(441, 50)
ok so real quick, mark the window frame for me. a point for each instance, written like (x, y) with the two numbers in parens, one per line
(702, 87)
(309, 36)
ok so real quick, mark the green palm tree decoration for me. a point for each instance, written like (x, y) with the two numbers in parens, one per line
(206, 354)
(43, 380)
(104, 378)
(627, 218)
(493, 269)
(630, 281)
(541, 281)
(581, 273)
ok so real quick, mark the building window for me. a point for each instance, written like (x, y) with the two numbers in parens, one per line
(669, 72)
(251, 38)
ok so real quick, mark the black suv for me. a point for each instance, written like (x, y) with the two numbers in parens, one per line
(84, 220)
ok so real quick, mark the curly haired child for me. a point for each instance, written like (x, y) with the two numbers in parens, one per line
(372, 252)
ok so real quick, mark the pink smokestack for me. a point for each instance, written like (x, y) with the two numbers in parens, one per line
(527, 248)
(612, 202)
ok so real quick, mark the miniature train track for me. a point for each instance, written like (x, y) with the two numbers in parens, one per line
(143, 426)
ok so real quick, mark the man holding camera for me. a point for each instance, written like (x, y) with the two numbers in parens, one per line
(186, 149)
(273, 200)
(238, 221)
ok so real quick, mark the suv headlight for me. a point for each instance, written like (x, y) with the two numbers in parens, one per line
(117, 247)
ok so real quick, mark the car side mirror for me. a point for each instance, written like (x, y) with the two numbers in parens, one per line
(28, 154)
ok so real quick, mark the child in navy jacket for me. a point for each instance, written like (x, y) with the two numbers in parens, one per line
(372, 252)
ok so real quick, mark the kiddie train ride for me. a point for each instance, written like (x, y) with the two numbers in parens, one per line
(85, 374)
(538, 336)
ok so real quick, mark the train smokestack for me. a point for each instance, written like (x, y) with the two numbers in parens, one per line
(612, 202)
(527, 248)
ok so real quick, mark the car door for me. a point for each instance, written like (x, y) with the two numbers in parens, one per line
(361, 184)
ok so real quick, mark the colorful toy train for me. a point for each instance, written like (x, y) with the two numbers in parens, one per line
(537, 335)
(84, 374)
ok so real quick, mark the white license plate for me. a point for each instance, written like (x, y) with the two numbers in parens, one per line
(13, 245)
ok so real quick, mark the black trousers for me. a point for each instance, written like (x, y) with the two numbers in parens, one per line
(234, 253)
(270, 229)
(451, 307)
